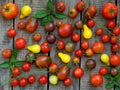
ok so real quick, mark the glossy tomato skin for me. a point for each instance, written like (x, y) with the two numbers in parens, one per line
(49, 27)
(31, 79)
(20, 43)
(113, 71)
(9, 10)
(23, 82)
(60, 7)
(113, 40)
(53, 68)
(79, 24)
(91, 23)
(105, 38)
(37, 36)
(99, 31)
(59, 23)
(115, 48)
(89, 52)
(76, 60)
(45, 48)
(21, 25)
(16, 71)
(80, 5)
(85, 44)
(114, 59)
(51, 38)
(72, 13)
(6, 53)
(78, 53)
(96, 80)
(67, 82)
(26, 66)
(116, 31)
(14, 82)
(43, 79)
(75, 37)
(103, 70)
(60, 44)
(78, 72)
(111, 24)
(11, 33)
(109, 10)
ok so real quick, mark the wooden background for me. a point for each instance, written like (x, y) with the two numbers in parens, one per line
(77, 84)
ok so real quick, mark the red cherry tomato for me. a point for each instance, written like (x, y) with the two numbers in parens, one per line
(115, 60)
(99, 31)
(103, 70)
(21, 25)
(113, 40)
(72, 13)
(105, 38)
(111, 24)
(78, 53)
(76, 60)
(16, 71)
(91, 23)
(14, 82)
(43, 79)
(60, 7)
(37, 36)
(23, 82)
(45, 48)
(80, 5)
(67, 82)
(89, 52)
(78, 72)
(7, 53)
(53, 68)
(115, 48)
(58, 23)
(26, 66)
(31, 79)
(116, 31)
(60, 44)
(20, 43)
(11, 32)
(85, 44)
(75, 37)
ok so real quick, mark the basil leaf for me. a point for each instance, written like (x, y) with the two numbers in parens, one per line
(117, 84)
(12, 66)
(15, 53)
(12, 59)
(5, 64)
(40, 14)
(18, 63)
(46, 20)
(108, 76)
(50, 5)
(59, 15)
(117, 77)
(117, 88)
(109, 85)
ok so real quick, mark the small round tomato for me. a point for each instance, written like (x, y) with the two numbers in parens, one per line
(76, 60)
(37, 36)
(111, 24)
(113, 71)
(91, 23)
(78, 53)
(115, 48)
(60, 7)
(60, 44)
(11, 33)
(67, 82)
(53, 68)
(21, 25)
(78, 72)
(99, 31)
(116, 31)
(113, 40)
(31, 79)
(45, 48)
(75, 37)
(26, 66)
(96, 80)
(79, 24)
(80, 5)
(72, 13)
(85, 44)
(58, 23)
(114, 59)
(103, 70)
(105, 38)
(89, 52)
(20, 43)
(23, 82)
(14, 82)
(43, 79)
(16, 71)
(7, 53)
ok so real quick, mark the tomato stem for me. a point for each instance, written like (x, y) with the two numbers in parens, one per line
(7, 8)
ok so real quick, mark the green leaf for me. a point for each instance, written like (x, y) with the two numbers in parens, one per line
(46, 20)
(18, 63)
(5, 64)
(117, 84)
(40, 14)
(50, 5)
(12, 59)
(108, 76)
(84, 20)
(117, 88)
(15, 52)
(59, 15)
(117, 77)
(109, 85)
(12, 66)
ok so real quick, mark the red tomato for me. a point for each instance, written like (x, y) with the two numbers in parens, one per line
(115, 48)
(99, 31)
(21, 25)
(58, 23)
(76, 60)
(78, 53)
(116, 31)
(26, 66)
(85, 44)
(72, 13)
(14, 82)
(60, 44)
(7, 53)
(9, 10)
(20, 43)
(45, 48)
(37, 36)
(114, 59)
(111, 24)
(16, 71)
(113, 40)
(80, 5)
(78, 72)
(11, 33)
(103, 70)
(53, 68)
(67, 82)
(23, 82)
(60, 7)
(105, 38)
(96, 80)
(43, 79)
(91, 23)
(31, 79)
(109, 10)
(89, 52)
(75, 37)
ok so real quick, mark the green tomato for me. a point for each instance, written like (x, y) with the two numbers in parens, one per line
(53, 79)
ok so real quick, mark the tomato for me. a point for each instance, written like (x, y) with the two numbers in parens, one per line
(111, 24)
(75, 37)
(99, 31)
(23, 82)
(103, 70)
(65, 30)
(98, 47)
(79, 24)
(60, 6)
(78, 72)
(20, 43)
(78, 53)
(113, 71)
(37, 36)
(109, 10)
(70, 46)
(7, 53)
(114, 59)
(43, 79)
(9, 10)
(76, 60)
(14, 82)
(58, 23)
(115, 48)
(67, 82)
(85, 44)
(105, 38)
(96, 80)
(80, 5)
(53, 79)
(51, 38)
(26, 66)
(45, 48)
(16, 71)
(113, 40)
(72, 13)
(116, 31)
(60, 44)
(91, 23)
(53, 68)
(21, 25)
(49, 27)
(11, 33)
(89, 52)
(90, 64)
(31, 79)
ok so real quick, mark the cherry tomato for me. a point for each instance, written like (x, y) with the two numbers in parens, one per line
(43, 79)
(16, 71)
(14, 82)
(26, 66)
(78, 72)
(37, 36)
(115, 48)
(78, 53)
(45, 48)
(23, 82)
(79, 24)
(53, 68)
(67, 82)
(72, 13)
(80, 5)
(111, 24)
(103, 70)
(114, 60)
(75, 37)
(60, 44)
(76, 60)
(113, 40)
(20, 43)
(85, 44)
(6, 53)
(91, 23)
(60, 7)
(105, 38)
(58, 23)
(89, 52)
(31, 79)
(11, 33)
(116, 31)
(21, 25)
(99, 31)
(113, 71)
